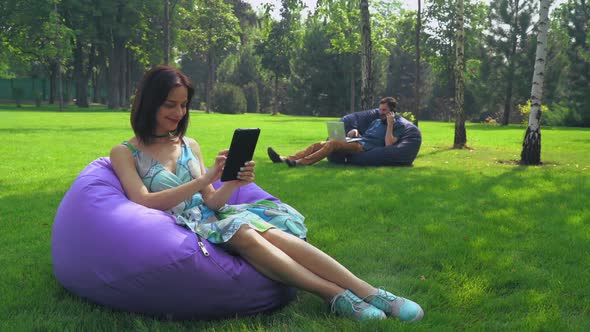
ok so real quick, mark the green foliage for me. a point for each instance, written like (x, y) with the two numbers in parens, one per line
(276, 49)
(228, 99)
(409, 116)
(199, 34)
(315, 61)
(574, 17)
(320, 84)
(556, 115)
(343, 17)
(525, 111)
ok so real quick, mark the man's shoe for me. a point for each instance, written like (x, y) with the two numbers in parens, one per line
(273, 155)
(291, 163)
(348, 304)
(396, 306)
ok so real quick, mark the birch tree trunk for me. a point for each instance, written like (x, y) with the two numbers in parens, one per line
(366, 58)
(460, 134)
(531, 146)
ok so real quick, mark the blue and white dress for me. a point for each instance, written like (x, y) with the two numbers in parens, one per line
(215, 226)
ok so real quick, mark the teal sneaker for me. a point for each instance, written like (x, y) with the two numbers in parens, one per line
(348, 304)
(396, 306)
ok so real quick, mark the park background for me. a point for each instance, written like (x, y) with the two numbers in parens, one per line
(482, 242)
(301, 61)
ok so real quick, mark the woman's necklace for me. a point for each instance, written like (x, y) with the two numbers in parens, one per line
(170, 134)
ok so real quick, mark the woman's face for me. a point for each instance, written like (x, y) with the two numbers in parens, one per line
(172, 110)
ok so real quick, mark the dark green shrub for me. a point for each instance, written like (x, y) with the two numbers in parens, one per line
(252, 99)
(228, 99)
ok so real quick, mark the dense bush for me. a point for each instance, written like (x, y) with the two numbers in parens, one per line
(228, 99)
(555, 117)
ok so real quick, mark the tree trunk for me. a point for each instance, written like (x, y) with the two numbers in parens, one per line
(275, 103)
(352, 86)
(114, 74)
(167, 31)
(81, 75)
(460, 134)
(531, 146)
(52, 82)
(417, 84)
(124, 100)
(366, 58)
(60, 90)
(210, 80)
(511, 67)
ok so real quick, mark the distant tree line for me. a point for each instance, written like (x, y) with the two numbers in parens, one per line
(307, 64)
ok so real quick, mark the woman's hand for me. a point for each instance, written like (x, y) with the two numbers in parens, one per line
(214, 173)
(245, 175)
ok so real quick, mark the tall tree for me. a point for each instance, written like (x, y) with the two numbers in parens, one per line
(512, 19)
(531, 146)
(342, 19)
(33, 32)
(366, 57)
(209, 28)
(577, 22)
(460, 134)
(275, 51)
(439, 50)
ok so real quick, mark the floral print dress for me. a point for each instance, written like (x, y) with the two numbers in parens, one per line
(215, 226)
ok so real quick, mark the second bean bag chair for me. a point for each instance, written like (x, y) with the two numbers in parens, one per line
(122, 255)
(403, 153)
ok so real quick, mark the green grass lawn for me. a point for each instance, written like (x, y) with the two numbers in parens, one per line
(480, 243)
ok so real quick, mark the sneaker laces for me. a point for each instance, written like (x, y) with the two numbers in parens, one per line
(350, 300)
(384, 296)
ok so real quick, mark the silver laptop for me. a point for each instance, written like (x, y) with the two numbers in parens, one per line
(336, 132)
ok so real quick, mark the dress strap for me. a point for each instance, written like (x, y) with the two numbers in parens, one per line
(130, 146)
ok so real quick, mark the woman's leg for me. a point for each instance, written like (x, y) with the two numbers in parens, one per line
(312, 270)
(277, 265)
(329, 269)
(318, 262)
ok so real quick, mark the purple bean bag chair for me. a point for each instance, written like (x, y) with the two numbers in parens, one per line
(125, 256)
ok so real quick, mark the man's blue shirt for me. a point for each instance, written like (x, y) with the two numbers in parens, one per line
(374, 136)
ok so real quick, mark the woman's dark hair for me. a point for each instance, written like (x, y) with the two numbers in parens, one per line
(152, 91)
(391, 103)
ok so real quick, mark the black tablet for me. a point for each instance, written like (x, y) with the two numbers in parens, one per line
(241, 150)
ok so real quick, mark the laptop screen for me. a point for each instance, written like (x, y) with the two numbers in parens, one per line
(336, 130)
